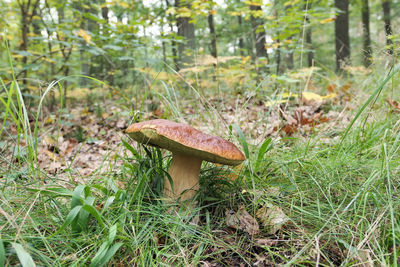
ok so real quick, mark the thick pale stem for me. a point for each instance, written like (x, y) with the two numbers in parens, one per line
(184, 171)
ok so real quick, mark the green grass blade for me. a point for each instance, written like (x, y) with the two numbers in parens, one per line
(2, 254)
(369, 100)
(24, 257)
(70, 218)
(265, 147)
(131, 149)
(242, 139)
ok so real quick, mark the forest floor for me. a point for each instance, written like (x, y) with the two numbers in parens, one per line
(311, 191)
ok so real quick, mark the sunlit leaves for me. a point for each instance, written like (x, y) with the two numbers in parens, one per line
(85, 36)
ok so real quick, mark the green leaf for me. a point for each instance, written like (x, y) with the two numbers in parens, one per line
(112, 233)
(93, 211)
(109, 201)
(24, 258)
(54, 192)
(70, 218)
(113, 47)
(77, 196)
(99, 255)
(111, 252)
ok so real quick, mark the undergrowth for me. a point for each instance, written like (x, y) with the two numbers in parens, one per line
(341, 196)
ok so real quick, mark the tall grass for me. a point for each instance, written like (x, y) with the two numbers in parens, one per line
(341, 197)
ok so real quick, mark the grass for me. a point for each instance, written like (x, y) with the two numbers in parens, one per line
(341, 197)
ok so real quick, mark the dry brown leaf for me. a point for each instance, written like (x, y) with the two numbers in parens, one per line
(242, 220)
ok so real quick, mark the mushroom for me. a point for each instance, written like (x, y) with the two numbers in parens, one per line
(189, 148)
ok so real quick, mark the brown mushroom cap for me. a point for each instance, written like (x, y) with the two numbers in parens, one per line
(182, 138)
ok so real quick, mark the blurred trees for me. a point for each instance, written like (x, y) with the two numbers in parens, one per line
(112, 39)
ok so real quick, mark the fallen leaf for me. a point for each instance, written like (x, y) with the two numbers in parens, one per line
(242, 220)
(309, 97)
(395, 105)
(266, 242)
(272, 218)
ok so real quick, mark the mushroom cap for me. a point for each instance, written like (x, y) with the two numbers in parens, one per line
(182, 138)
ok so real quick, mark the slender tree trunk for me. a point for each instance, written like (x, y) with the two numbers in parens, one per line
(259, 35)
(278, 41)
(342, 38)
(367, 50)
(185, 29)
(164, 49)
(241, 42)
(278, 58)
(388, 25)
(310, 53)
(213, 44)
(288, 56)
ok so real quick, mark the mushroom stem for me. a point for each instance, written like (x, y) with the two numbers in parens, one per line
(184, 171)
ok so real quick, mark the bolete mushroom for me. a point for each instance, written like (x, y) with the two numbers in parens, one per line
(189, 148)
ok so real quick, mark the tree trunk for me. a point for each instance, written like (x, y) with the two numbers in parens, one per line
(367, 50)
(104, 64)
(186, 49)
(310, 53)
(241, 42)
(278, 57)
(388, 25)
(258, 34)
(213, 44)
(342, 39)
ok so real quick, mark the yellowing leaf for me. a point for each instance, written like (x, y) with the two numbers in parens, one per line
(235, 13)
(310, 96)
(289, 95)
(333, 95)
(324, 21)
(184, 12)
(124, 4)
(85, 36)
(171, 11)
(313, 97)
(253, 3)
